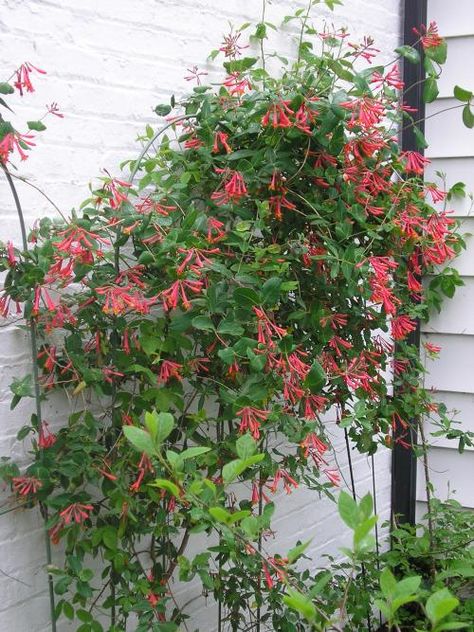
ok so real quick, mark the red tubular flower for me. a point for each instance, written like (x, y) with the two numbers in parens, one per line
(197, 257)
(415, 162)
(12, 141)
(232, 189)
(6, 303)
(413, 284)
(289, 483)
(333, 476)
(337, 343)
(119, 300)
(268, 577)
(114, 188)
(237, 84)
(220, 141)
(392, 78)
(437, 195)
(195, 74)
(305, 117)
(365, 49)
(401, 326)
(215, 230)
(250, 420)
(25, 485)
(235, 187)
(431, 348)
(366, 111)
(193, 143)
(230, 46)
(46, 438)
(144, 466)
(149, 205)
(334, 320)
(177, 292)
(313, 442)
(277, 115)
(169, 370)
(53, 109)
(277, 203)
(76, 241)
(23, 81)
(76, 512)
(267, 328)
(314, 404)
(429, 36)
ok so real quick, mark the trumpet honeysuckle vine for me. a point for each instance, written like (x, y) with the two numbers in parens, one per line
(206, 312)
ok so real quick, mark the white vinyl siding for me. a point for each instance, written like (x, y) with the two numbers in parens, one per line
(451, 150)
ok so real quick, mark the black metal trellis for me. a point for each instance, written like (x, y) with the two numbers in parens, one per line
(404, 461)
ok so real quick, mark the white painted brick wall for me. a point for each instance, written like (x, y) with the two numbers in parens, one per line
(109, 63)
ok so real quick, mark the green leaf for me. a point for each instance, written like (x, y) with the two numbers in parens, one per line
(408, 586)
(109, 538)
(37, 126)
(163, 109)
(348, 510)
(246, 297)
(170, 487)
(388, 583)
(316, 378)
(151, 423)
(240, 65)
(230, 327)
(68, 610)
(6, 88)
(24, 432)
(220, 514)
(5, 104)
(430, 90)
(261, 31)
(140, 439)
(192, 453)
(440, 604)
(468, 117)
(245, 446)
(271, 290)
(437, 53)
(301, 603)
(419, 138)
(461, 94)
(361, 531)
(165, 425)
(409, 53)
(297, 551)
(203, 322)
(366, 506)
(234, 468)
(457, 190)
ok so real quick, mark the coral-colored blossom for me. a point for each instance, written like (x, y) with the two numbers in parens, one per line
(401, 326)
(177, 293)
(76, 512)
(23, 81)
(25, 485)
(251, 419)
(169, 370)
(429, 36)
(232, 189)
(46, 438)
(277, 115)
(414, 162)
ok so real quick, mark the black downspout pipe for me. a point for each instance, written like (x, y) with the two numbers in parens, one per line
(404, 461)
